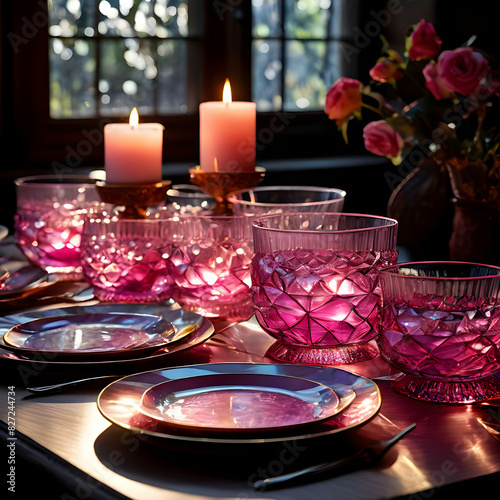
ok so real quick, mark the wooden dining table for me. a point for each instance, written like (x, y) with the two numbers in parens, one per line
(61, 444)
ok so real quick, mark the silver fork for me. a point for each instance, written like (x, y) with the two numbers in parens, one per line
(492, 424)
(362, 458)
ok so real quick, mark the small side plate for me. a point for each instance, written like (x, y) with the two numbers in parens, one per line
(95, 335)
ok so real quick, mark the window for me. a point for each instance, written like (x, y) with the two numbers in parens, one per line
(108, 56)
(78, 64)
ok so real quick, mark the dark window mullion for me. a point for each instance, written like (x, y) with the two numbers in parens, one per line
(157, 79)
(283, 54)
(97, 73)
(97, 77)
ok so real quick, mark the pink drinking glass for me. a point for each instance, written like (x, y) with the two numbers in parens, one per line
(212, 256)
(315, 283)
(441, 328)
(284, 199)
(186, 199)
(126, 260)
(50, 213)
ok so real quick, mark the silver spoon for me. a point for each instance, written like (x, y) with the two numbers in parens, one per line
(358, 460)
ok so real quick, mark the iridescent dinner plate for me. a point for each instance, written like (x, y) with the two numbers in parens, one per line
(91, 335)
(23, 280)
(241, 402)
(120, 402)
(190, 330)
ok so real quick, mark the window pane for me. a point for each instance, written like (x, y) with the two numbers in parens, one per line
(304, 76)
(71, 17)
(342, 61)
(267, 75)
(159, 18)
(307, 18)
(173, 75)
(72, 74)
(266, 18)
(127, 76)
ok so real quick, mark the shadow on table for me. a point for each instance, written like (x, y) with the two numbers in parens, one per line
(222, 469)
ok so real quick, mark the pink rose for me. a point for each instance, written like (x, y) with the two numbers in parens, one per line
(343, 99)
(387, 68)
(381, 139)
(436, 85)
(460, 70)
(424, 42)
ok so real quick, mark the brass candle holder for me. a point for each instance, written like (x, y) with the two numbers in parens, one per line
(220, 184)
(135, 198)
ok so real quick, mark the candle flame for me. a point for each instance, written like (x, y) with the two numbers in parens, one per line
(216, 165)
(134, 118)
(226, 93)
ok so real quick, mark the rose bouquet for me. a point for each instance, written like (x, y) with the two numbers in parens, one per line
(434, 105)
(431, 99)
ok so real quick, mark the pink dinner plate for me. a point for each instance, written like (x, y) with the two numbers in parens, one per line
(120, 403)
(23, 280)
(241, 402)
(84, 335)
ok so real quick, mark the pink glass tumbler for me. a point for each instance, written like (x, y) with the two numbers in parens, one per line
(126, 260)
(48, 223)
(284, 199)
(441, 328)
(315, 284)
(212, 257)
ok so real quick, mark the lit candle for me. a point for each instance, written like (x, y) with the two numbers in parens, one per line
(133, 151)
(227, 134)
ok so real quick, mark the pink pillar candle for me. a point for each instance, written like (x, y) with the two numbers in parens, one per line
(227, 134)
(133, 151)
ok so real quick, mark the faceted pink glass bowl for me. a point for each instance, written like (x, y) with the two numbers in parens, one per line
(212, 256)
(126, 260)
(441, 328)
(285, 199)
(48, 223)
(315, 283)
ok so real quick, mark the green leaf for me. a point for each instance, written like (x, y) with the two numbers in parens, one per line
(343, 129)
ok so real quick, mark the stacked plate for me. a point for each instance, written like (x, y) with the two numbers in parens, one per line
(22, 282)
(99, 338)
(240, 403)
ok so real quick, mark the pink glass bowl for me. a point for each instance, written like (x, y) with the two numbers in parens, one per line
(212, 256)
(126, 260)
(284, 199)
(315, 283)
(441, 328)
(48, 223)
